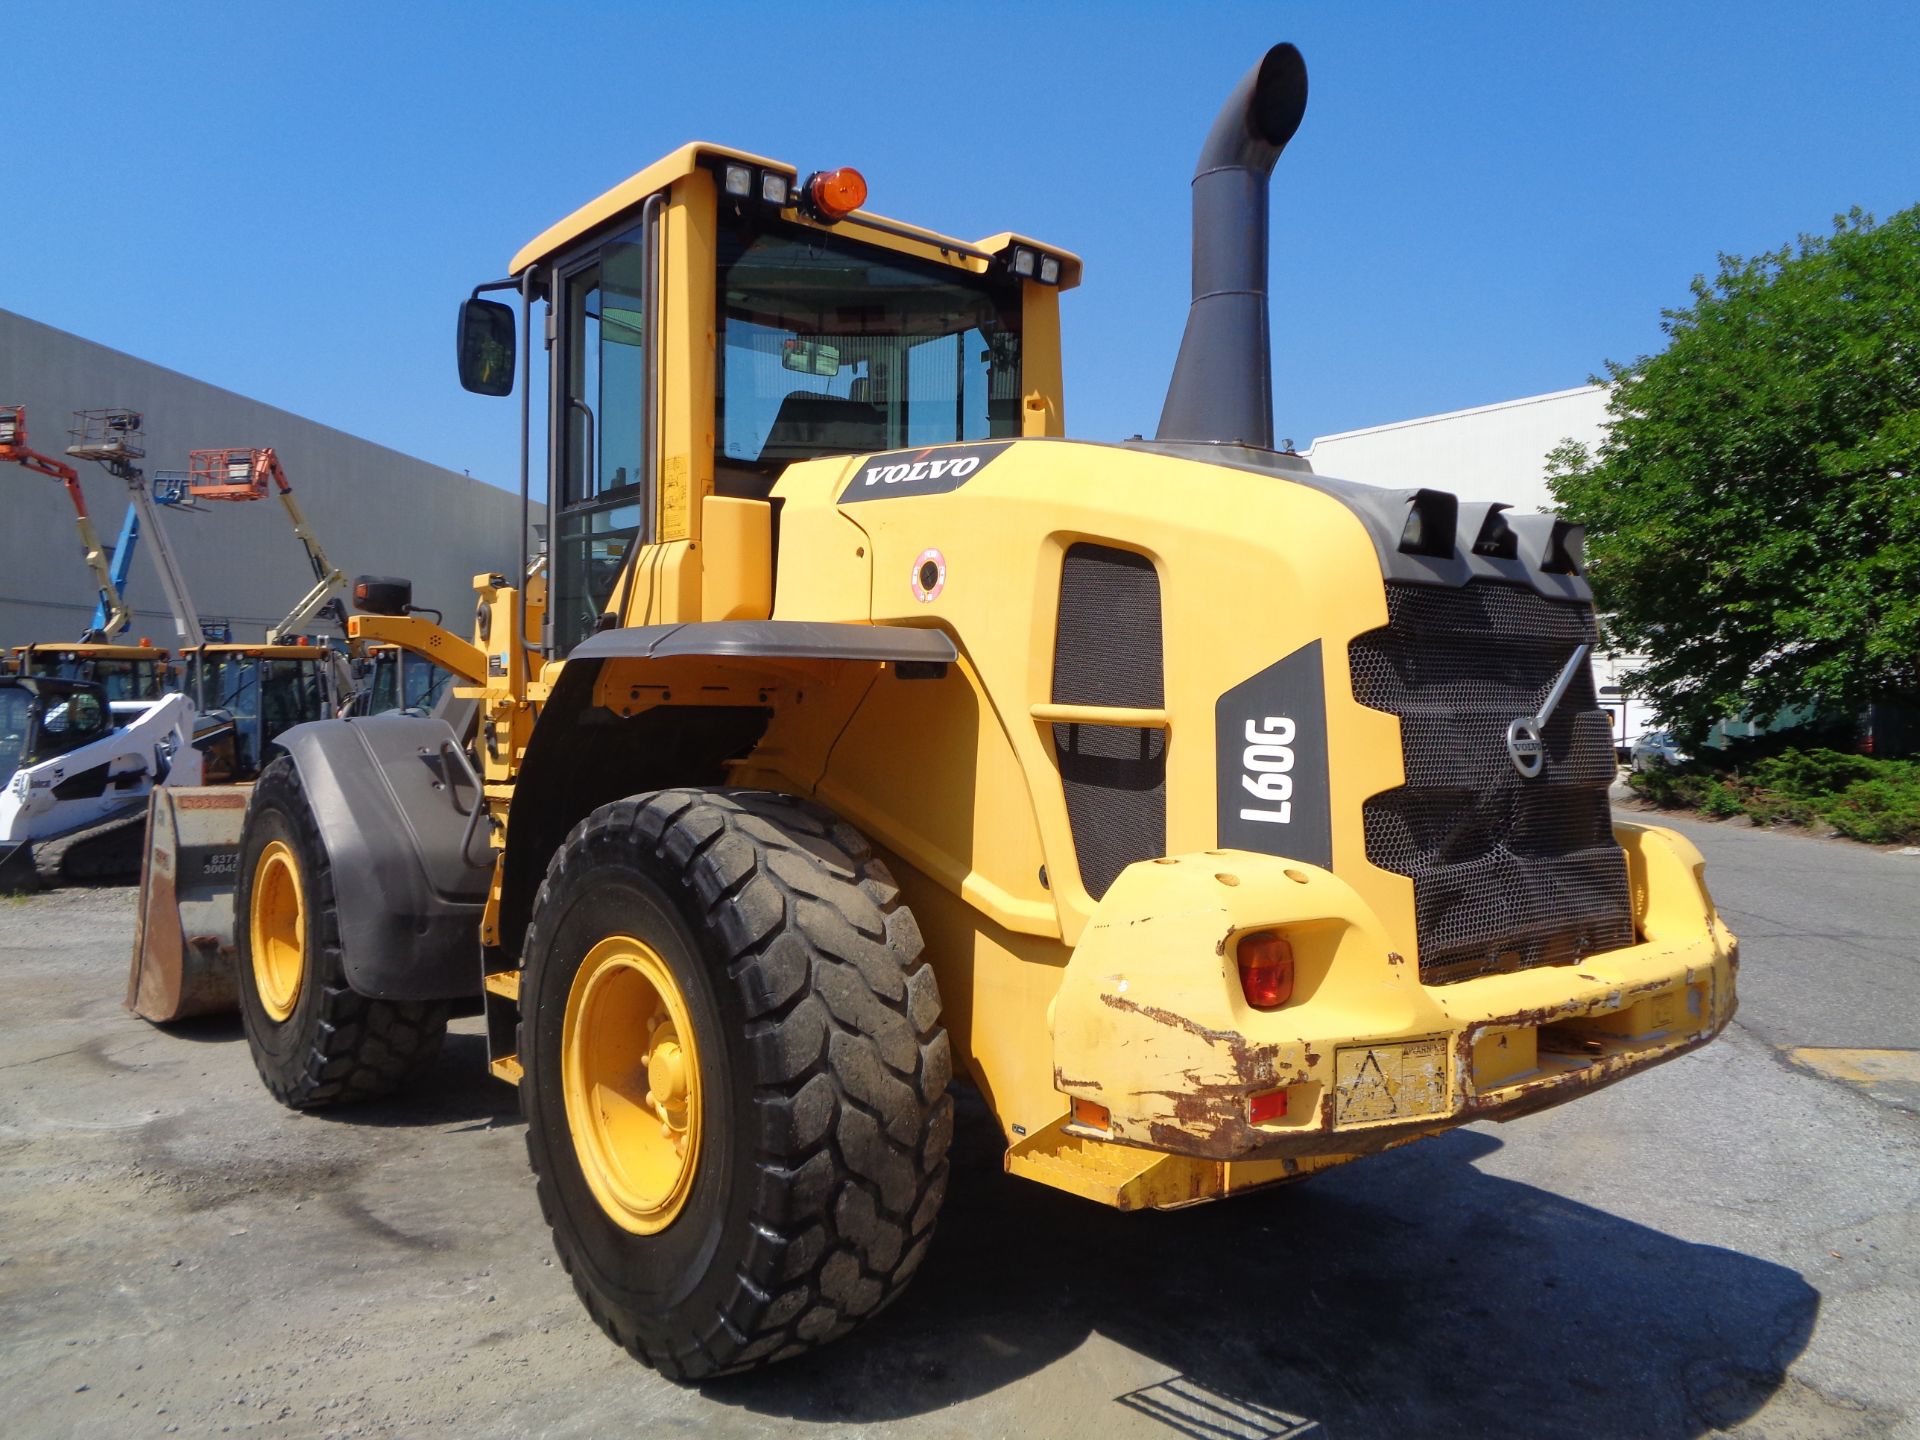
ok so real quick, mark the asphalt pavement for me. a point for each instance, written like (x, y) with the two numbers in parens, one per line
(1726, 1245)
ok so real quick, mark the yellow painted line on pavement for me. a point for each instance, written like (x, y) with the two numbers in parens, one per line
(1860, 1067)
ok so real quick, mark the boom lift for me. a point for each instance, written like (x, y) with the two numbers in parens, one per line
(256, 691)
(248, 474)
(1218, 820)
(112, 438)
(111, 615)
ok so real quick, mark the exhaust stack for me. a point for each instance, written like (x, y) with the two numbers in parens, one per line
(1222, 386)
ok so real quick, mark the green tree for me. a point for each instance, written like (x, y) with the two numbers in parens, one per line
(1754, 512)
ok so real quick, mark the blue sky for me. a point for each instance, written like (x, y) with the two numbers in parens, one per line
(1483, 202)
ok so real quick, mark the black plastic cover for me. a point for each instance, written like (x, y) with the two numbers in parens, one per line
(394, 796)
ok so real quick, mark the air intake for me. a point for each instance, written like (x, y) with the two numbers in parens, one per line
(1222, 386)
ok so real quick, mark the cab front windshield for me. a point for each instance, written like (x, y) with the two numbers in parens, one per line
(831, 347)
(123, 679)
(264, 696)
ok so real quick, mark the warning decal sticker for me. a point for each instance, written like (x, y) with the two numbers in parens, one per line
(1373, 1083)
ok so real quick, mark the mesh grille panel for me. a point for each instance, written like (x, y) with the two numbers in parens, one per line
(1107, 648)
(1508, 873)
(1116, 784)
(1106, 651)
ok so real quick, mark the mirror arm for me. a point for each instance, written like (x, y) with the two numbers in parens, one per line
(491, 285)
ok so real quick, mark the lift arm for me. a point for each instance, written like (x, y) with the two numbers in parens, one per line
(466, 660)
(111, 614)
(122, 567)
(328, 580)
(239, 474)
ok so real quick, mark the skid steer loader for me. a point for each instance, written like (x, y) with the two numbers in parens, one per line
(1218, 820)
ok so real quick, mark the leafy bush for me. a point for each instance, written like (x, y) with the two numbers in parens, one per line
(1807, 775)
(1722, 800)
(1866, 799)
(1885, 811)
(1668, 788)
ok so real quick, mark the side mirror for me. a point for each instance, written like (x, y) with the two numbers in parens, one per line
(382, 594)
(486, 347)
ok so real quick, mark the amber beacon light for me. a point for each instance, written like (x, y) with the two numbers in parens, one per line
(836, 194)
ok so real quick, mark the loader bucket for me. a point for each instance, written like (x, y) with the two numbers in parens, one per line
(183, 944)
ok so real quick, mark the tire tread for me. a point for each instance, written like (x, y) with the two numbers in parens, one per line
(850, 1066)
(361, 1048)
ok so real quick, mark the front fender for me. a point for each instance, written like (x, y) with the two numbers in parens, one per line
(393, 798)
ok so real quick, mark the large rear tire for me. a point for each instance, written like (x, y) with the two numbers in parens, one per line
(735, 1077)
(314, 1041)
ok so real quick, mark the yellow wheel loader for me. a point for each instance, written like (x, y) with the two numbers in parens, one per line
(1219, 821)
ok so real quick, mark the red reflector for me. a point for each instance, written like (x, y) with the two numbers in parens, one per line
(1091, 1115)
(1270, 1106)
(1266, 969)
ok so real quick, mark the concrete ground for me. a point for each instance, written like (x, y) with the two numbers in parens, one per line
(1725, 1245)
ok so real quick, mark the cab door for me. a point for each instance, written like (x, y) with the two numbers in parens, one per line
(602, 460)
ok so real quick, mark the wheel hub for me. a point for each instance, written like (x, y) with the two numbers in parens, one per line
(630, 1081)
(277, 926)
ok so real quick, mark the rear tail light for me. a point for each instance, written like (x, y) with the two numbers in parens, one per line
(1265, 959)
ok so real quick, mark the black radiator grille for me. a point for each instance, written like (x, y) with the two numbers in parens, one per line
(1508, 873)
(1106, 651)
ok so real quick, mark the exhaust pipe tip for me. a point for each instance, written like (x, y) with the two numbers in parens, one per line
(1260, 115)
(1222, 386)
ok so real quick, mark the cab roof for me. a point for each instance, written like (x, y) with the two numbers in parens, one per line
(262, 650)
(697, 155)
(92, 650)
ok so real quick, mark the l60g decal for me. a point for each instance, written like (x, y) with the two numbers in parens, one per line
(1270, 747)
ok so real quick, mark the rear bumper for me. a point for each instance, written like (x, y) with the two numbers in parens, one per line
(1149, 1023)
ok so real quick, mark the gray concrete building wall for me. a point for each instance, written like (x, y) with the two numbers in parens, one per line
(375, 510)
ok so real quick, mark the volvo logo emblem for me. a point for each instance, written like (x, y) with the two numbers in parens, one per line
(1524, 747)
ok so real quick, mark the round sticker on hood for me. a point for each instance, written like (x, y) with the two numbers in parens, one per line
(929, 575)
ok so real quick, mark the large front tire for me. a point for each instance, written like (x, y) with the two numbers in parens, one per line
(735, 1077)
(314, 1040)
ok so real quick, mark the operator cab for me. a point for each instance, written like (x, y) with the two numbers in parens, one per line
(833, 332)
(398, 680)
(248, 695)
(127, 672)
(42, 717)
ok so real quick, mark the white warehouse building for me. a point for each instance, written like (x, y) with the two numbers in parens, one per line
(1491, 452)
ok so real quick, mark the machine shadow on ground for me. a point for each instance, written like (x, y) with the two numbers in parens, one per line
(1410, 1293)
(457, 1088)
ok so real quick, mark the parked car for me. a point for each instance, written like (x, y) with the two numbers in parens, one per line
(1655, 748)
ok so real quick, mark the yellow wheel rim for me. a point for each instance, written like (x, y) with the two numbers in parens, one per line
(278, 926)
(630, 1075)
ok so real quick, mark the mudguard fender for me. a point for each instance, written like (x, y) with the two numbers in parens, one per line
(395, 798)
